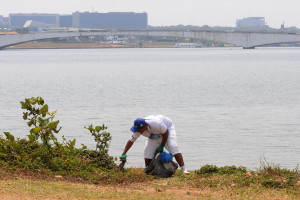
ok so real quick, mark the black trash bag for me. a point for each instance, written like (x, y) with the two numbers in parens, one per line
(161, 169)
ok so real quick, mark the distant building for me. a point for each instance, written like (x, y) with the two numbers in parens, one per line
(4, 22)
(65, 21)
(111, 20)
(19, 20)
(251, 22)
(6, 19)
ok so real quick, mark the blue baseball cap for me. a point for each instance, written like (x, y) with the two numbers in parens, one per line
(138, 124)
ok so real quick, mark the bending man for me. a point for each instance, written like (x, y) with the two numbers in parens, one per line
(160, 133)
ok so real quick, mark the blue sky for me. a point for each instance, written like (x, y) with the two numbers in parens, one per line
(171, 12)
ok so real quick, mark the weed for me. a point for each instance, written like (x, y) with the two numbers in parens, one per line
(271, 169)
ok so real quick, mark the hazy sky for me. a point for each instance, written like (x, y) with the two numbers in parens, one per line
(171, 12)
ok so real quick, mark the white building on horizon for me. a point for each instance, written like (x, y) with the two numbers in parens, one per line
(252, 22)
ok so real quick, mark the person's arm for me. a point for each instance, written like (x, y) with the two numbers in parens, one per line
(127, 147)
(165, 138)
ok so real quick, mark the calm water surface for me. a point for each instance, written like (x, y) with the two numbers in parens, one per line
(229, 107)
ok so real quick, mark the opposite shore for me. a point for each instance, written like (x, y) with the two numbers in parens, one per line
(81, 45)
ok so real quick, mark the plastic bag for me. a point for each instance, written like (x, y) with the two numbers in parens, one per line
(161, 169)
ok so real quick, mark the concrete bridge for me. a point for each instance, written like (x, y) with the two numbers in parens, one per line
(242, 39)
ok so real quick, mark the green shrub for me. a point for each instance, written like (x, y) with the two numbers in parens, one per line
(232, 170)
(43, 151)
(102, 138)
(207, 169)
(213, 169)
(42, 121)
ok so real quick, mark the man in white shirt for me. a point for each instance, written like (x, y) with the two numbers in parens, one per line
(160, 133)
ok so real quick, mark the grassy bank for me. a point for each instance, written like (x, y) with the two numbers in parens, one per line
(136, 185)
(41, 167)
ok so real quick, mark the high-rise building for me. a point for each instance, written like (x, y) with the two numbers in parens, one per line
(4, 22)
(65, 21)
(18, 20)
(251, 22)
(111, 20)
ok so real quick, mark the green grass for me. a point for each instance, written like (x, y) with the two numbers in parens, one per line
(133, 184)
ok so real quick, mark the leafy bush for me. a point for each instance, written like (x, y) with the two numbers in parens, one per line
(213, 169)
(38, 116)
(101, 137)
(43, 151)
(232, 170)
(207, 169)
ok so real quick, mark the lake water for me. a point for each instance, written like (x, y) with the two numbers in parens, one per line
(229, 106)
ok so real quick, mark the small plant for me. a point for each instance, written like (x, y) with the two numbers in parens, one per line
(102, 137)
(100, 156)
(41, 119)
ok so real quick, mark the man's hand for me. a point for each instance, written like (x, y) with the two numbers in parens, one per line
(123, 158)
(160, 149)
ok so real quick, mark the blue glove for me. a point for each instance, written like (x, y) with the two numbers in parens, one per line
(160, 149)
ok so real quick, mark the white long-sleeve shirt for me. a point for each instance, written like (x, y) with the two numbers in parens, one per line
(157, 125)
